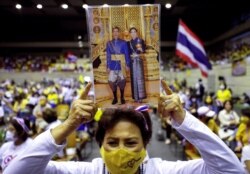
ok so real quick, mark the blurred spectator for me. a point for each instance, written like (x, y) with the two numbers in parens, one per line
(229, 121)
(50, 116)
(176, 85)
(245, 99)
(33, 99)
(208, 101)
(38, 113)
(245, 158)
(184, 83)
(18, 136)
(200, 91)
(222, 95)
(40, 107)
(228, 117)
(20, 102)
(207, 116)
(243, 133)
(53, 98)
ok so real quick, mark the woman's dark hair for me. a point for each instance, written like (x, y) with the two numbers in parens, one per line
(111, 117)
(21, 133)
(246, 112)
(228, 101)
(49, 115)
(133, 28)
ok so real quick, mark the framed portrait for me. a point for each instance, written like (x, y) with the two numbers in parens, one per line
(239, 67)
(125, 52)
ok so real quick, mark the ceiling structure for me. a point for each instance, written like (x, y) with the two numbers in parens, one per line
(207, 18)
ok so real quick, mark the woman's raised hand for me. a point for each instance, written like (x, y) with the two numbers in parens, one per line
(170, 105)
(82, 110)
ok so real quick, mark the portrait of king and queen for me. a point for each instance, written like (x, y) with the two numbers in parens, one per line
(125, 54)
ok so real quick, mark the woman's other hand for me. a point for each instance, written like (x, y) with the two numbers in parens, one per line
(170, 105)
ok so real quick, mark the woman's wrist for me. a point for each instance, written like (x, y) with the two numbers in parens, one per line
(180, 118)
(70, 125)
(61, 132)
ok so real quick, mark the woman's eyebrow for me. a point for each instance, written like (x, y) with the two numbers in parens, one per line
(132, 137)
(112, 138)
(127, 138)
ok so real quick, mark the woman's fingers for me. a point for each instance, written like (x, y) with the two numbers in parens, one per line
(80, 113)
(164, 100)
(84, 94)
(167, 106)
(82, 116)
(83, 102)
(82, 110)
(166, 87)
(86, 108)
(170, 105)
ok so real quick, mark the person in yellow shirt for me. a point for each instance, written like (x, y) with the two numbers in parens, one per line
(20, 103)
(222, 95)
(207, 117)
(243, 133)
(53, 98)
(81, 79)
(176, 85)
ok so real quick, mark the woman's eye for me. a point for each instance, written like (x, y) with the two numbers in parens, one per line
(131, 143)
(112, 143)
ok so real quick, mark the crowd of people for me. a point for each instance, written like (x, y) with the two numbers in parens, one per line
(31, 108)
(122, 135)
(230, 54)
(42, 63)
(217, 111)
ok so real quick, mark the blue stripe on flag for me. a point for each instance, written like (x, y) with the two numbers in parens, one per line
(198, 55)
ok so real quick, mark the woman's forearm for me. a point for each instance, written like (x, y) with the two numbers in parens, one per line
(81, 112)
(61, 132)
(220, 159)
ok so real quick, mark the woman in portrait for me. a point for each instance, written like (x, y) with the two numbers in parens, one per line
(137, 47)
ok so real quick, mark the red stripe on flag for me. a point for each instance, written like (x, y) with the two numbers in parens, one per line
(189, 60)
(186, 58)
(204, 74)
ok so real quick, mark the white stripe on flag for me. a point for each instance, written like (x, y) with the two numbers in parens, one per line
(192, 39)
(185, 50)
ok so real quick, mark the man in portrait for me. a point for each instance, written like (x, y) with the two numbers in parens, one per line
(117, 52)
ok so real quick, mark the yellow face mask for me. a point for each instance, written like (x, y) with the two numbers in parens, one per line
(122, 161)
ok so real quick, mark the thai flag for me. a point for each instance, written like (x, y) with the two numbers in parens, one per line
(71, 58)
(190, 48)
